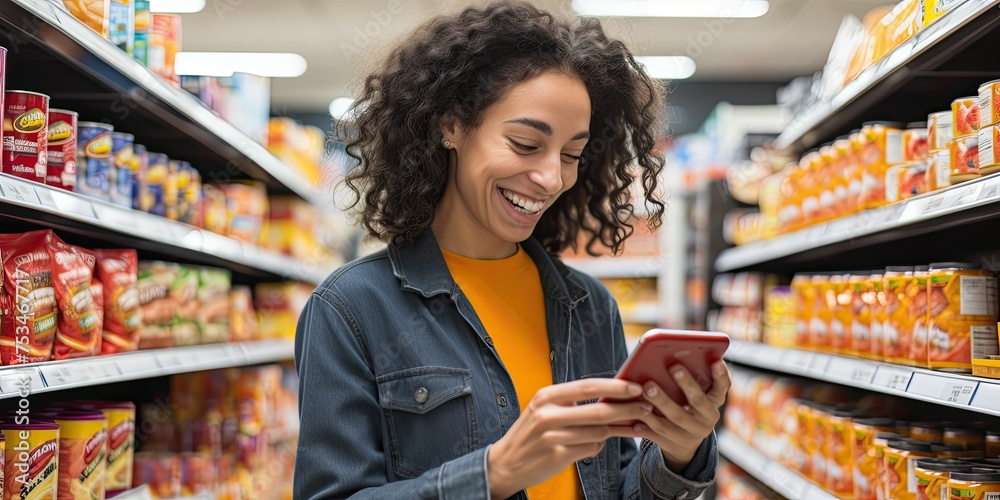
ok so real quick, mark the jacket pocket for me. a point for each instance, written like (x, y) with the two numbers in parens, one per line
(429, 416)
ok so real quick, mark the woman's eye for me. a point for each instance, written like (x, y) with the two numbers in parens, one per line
(568, 158)
(523, 147)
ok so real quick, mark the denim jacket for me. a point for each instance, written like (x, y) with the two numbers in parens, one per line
(401, 391)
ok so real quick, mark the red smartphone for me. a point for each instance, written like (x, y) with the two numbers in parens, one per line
(660, 349)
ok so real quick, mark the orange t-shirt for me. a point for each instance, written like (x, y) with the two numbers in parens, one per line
(507, 297)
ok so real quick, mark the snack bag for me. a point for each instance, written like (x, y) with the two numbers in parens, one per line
(78, 329)
(30, 310)
(184, 291)
(213, 312)
(156, 304)
(119, 271)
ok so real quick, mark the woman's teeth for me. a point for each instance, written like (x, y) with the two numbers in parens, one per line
(522, 205)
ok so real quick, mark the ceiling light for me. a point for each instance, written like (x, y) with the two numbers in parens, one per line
(176, 6)
(270, 64)
(672, 8)
(340, 106)
(668, 67)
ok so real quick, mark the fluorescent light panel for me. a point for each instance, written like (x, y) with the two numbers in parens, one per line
(221, 64)
(668, 67)
(672, 8)
(340, 106)
(176, 6)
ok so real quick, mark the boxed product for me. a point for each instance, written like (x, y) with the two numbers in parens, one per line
(247, 207)
(243, 318)
(278, 307)
(185, 290)
(157, 303)
(164, 44)
(213, 315)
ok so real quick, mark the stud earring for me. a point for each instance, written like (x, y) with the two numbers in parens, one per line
(446, 143)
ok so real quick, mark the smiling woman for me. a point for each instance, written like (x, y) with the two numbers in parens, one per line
(455, 362)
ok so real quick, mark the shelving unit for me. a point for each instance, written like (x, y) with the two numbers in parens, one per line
(942, 62)
(977, 394)
(781, 479)
(54, 53)
(618, 267)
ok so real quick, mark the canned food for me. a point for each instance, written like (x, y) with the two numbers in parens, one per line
(3, 77)
(83, 450)
(25, 134)
(164, 43)
(932, 476)
(61, 150)
(970, 439)
(915, 142)
(32, 460)
(93, 155)
(963, 316)
(954, 451)
(161, 471)
(881, 147)
(964, 158)
(989, 103)
(878, 315)
(916, 292)
(989, 154)
(123, 168)
(840, 326)
(142, 164)
(939, 170)
(121, 447)
(879, 444)
(900, 458)
(897, 330)
(864, 462)
(974, 486)
(965, 116)
(171, 190)
(906, 180)
(153, 196)
(939, 130)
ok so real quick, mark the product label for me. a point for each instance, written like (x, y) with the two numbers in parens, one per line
(984, 341)
(986, 147)
(943, 167)
(893, 147)
(892, 184)
(978, 296)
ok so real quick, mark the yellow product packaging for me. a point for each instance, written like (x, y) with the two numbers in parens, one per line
(779, 320)
(863, 450)
(31, 459)
(121, 444)
(839, 454)
(917, 294)
(816, 427)
(278, 306)
(810, 185)
(993, 444)
(83, 449)
(988, 367)
(826, 181)
(789, 206)
(861, 315)
(931, 432)
(932, 476)
(900, 458)
(974, 485)
(820, 331)
(897, 330)
(881, 147)
(969, 439)
(840, 325)
(963, 316)
(877, 316)
(934, 9)
(804, 298)
(879, 443)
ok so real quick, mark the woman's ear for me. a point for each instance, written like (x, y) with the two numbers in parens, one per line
(451, 131)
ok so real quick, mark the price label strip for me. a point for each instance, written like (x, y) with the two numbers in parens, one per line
(987, 397)
(799, 360)
(20, 380)
(856, 371)
(943, 388)
(18, 191)
(959, 392)
(892, 378)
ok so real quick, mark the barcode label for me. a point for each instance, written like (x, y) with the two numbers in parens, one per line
(978, 296)
(986, 144)
(959, 392)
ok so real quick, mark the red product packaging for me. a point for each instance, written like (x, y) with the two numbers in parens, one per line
(26, 132)
(30, 311)
(78, 331)
(119, 271)
(61, 150)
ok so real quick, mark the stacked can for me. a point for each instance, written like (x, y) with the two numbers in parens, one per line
(964, 147)
(909, 178)
(93, 169)
(26, 119)
(989, 129)
(3, 76)
(123, 168)
(61, 150)
(939, 135)
(142, 163)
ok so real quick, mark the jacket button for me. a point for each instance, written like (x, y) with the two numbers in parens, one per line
(587, 461)
(502, 401)
(682, 495)
(489, 341)
(420, 396)
(552, 356)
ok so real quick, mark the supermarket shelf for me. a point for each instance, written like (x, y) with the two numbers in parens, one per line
(107, 222)
(645, 313)
(781, 479)
(618, 267)
(961, 204)
(86, 73)
(978, 394)
(101, 370)
(905, 72)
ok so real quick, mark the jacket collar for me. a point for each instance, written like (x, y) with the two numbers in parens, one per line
(420, 268)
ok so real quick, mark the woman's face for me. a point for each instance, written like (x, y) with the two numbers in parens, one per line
(511, 168)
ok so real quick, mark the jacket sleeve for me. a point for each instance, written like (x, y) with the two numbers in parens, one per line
(340, 451)
(644, 473)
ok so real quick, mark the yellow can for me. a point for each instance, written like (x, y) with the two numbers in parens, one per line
(121, 444)
(31, 459)
(877, 449)
(897, 331)
(83, 451)
(974, 486)
(970, 439)
(863, 449)
(962, 303)
(900, 459)
(932, 476)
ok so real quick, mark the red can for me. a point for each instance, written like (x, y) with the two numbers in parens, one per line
(61, 169)
(3, 76)
(25, 134)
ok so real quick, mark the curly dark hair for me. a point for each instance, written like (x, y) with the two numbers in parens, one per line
(459, 65)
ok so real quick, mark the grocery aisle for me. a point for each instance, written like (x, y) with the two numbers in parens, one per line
(166, 214)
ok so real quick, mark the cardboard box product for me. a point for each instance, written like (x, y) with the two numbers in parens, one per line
(157, 304)
(185, 291)
(213, 312)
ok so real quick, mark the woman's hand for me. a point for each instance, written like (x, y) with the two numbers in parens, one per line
(681, 430)
(554, 432)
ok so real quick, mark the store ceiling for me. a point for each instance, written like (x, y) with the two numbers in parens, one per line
(792, 39)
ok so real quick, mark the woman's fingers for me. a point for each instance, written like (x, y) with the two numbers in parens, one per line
(589, 389)
(720, 383)
(668, 407)
(553, 416)
(697, 399)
